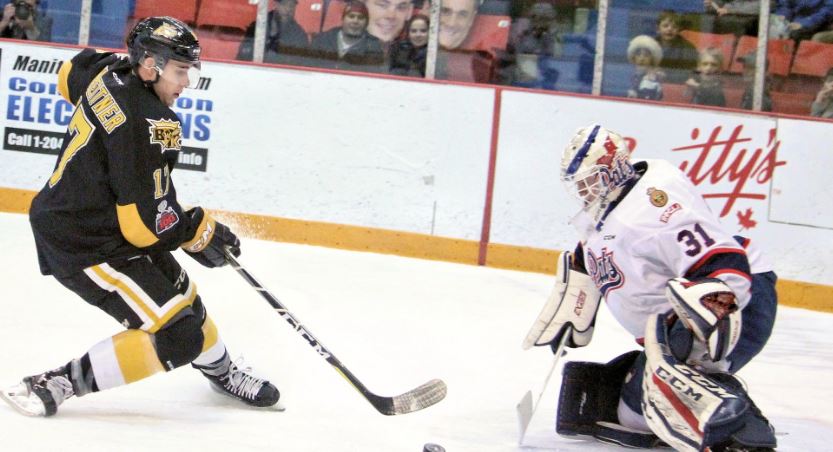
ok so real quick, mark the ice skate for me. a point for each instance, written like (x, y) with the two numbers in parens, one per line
(238, 383)
(39, 395)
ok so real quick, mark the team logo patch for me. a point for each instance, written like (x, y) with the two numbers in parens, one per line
(603, 270)
(166, 218)
(166, 30)
(166, 133)
(658, 197)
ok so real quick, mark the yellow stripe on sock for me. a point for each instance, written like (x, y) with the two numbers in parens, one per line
(209, 331)
(136, 355)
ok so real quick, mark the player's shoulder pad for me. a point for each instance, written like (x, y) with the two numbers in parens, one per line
(76, 74)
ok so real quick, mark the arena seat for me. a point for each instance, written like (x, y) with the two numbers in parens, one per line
(184, 10)
(791, 103)
(813, 58)
(489, 33)
(332, 17)
(219, 44)
(779, 54)
(308, 14)
(226, 13)
(724, 42)
(675, 92)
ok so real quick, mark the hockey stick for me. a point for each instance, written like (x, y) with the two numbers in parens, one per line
(525, 408)
(416, 399)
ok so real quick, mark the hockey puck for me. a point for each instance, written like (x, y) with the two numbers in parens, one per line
(431, 447)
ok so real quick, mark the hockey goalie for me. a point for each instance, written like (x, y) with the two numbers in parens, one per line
(700, 301)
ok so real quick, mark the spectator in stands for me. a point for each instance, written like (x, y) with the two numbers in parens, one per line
(746, 101)
(645, 54)
(823, 104)
(706, 86)
(23, 20)
(456, 19)
(804, 17)
(529, 57)
(679, 57)
(408, 55)
(350, 46)
(285, 39)
(387, 18)
(734, 16)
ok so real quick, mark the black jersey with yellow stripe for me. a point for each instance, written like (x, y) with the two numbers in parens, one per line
(110, 194)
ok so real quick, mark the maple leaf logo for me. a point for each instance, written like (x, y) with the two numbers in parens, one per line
(607, 159)
(745, 219)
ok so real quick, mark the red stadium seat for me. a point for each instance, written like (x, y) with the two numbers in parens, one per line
(308, 14)
(332, 18)
(733, 97)
(490, 33)
(791, 103)
(813, 58)
(724, 42)
(219, 44)
(675, 92)
(779, 54)
(226, 13)
(184, 10)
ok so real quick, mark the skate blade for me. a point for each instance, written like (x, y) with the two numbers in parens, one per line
(23, 401)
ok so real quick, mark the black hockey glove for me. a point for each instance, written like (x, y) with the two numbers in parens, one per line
(209, 243)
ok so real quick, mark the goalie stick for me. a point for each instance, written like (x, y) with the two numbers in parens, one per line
(525, 409)
(416, 399)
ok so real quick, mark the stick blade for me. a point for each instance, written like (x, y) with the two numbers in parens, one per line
(524, 411)
(416, 399)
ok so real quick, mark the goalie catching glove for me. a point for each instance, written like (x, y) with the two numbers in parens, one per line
(709, 309)
(209, 243)
(571, 309)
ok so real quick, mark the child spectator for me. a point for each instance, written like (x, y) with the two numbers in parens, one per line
(705, 85)
(746, 101)
(645, 54)
(679, 57)
(823, 104)
(408, 55)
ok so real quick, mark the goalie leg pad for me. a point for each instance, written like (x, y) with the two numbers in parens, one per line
(687, 409)
(590, 394)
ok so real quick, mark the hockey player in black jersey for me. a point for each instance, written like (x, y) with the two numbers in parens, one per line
(108, 218)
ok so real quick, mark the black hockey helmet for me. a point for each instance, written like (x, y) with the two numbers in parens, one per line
(164, 38)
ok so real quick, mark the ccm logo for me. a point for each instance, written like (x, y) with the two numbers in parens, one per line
(579, 303)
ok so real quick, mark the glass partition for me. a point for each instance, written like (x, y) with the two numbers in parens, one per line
(703, 52)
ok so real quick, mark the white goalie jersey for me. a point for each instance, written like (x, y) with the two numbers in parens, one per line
(662, 229)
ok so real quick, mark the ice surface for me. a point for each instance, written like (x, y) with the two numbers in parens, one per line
(394, 322)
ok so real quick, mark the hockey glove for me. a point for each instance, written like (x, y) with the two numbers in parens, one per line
(709, 309)
(571, 309)
(209, 243)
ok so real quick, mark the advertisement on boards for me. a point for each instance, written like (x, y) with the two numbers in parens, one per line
(36, 115)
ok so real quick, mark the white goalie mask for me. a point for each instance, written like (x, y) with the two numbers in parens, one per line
(595, 168)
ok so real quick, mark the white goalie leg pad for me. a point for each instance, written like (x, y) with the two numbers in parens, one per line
(709, 309)
(685, 408)
(573, 302)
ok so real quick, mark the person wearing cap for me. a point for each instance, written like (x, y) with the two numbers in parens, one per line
(285, 38)
(350, 46)
(645, 53)
(748, 62)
